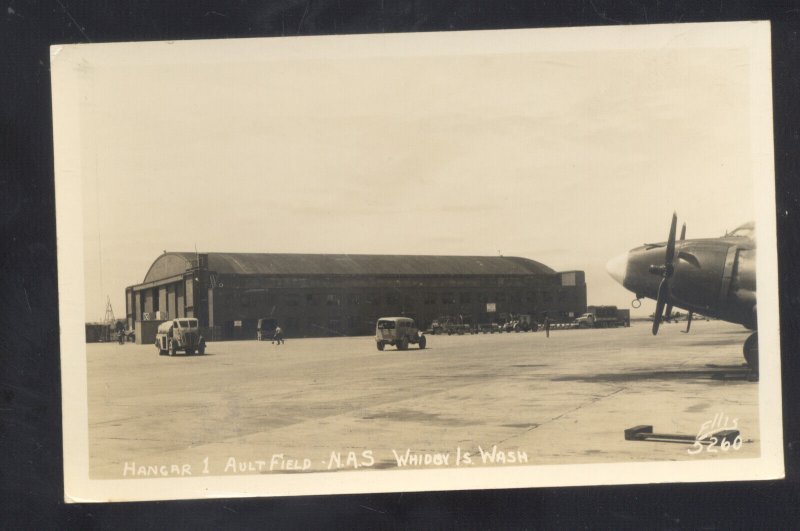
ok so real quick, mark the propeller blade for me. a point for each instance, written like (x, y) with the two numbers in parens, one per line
(683, 232)
(662, 298)
(670, 256)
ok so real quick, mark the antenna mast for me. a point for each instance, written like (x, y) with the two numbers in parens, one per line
(109, 317)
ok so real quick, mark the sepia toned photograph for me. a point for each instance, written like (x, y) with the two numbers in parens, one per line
(415, 262)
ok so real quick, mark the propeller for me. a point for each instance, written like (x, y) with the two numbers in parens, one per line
(668, 316)
(666, 272)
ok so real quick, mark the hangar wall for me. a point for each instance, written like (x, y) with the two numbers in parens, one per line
(228, 293)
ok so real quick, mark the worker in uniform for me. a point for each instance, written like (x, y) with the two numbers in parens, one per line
(547, 325)
(120, 333)
(278, 337)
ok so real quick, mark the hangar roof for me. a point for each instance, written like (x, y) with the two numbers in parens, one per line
(171, 264)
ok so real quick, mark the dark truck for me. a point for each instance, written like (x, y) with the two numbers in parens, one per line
(449, 325)
(604, 317)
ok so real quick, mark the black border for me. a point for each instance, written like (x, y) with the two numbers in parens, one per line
(31, 479)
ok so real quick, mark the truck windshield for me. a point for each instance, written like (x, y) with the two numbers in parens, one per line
(386, 325)
(184, 323)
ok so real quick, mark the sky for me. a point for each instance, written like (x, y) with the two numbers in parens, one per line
(568, 157)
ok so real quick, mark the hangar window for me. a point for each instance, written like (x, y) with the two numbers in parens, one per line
(332, 299)
(353, 298)
(310, 299)
(430, 298)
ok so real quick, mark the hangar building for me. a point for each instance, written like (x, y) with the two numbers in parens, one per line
(327, 295)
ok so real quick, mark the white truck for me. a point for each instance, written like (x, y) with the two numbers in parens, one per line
(179, 334)
(399, 332)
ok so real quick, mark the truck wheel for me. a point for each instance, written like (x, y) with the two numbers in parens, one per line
(173, 348)
(422, 342)
(380, 345)
(201, 349)
(190, 351)
(402, 344)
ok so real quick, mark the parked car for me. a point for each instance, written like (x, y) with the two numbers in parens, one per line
(489, 328)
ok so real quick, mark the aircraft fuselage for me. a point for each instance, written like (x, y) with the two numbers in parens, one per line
(715, 277)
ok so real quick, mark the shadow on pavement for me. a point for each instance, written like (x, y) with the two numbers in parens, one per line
(715, 374)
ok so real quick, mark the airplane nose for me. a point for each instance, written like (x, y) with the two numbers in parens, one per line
(617, 267)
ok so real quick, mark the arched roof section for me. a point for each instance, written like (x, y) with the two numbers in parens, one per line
(171, 264)
(168, 265)
(362, 264)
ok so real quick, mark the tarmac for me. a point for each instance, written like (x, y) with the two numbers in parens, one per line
(326, 404)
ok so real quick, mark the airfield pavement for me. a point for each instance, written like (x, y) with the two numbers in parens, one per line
(562, 400)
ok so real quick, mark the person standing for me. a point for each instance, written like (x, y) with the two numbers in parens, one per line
(547, 325)
(278, 337)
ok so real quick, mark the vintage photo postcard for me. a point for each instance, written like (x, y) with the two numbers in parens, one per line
(414, 262)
